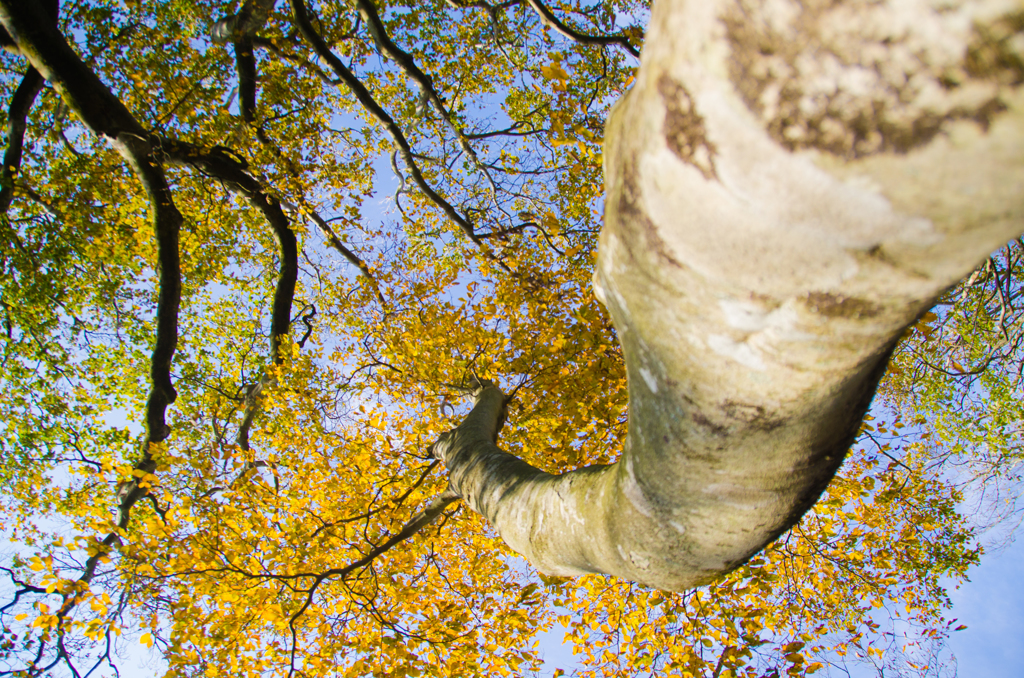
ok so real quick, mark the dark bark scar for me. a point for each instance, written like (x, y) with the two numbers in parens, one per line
(716, 430)
(684, 128)
(838, 306)
(755, 415)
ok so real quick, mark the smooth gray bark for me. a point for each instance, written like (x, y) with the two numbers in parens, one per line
(762, 253)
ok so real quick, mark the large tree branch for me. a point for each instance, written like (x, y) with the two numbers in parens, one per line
(237, 27)
(17, 116)
(32, 28)
(227, 167)
(245, 66)
(239, 30)
(757, 294)
(50, 54)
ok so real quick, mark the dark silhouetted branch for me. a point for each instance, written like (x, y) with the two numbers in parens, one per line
(38, 39)
(17, 115)
(50, 54)
(227, 167)
(551, 20)
(245, 65)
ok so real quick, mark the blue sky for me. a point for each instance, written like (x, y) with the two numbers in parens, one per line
(992, 607)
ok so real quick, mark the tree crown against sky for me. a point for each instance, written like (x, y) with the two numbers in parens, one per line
(354, 209)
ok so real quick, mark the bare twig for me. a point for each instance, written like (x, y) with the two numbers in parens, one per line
(272, 46)
(369, 14)
(370, 104)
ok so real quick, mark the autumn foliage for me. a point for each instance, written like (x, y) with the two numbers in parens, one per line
(438, 166)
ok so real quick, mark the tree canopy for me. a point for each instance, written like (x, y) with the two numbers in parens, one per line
(255, 258)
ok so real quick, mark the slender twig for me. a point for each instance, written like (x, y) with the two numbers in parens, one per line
(335, 242)
(509, 132)
(307, 320)
(369, 14)
(364, 97)
(271, 45)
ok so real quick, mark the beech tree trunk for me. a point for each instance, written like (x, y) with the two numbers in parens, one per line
(788, 187)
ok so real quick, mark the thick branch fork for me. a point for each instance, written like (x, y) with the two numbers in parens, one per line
(757, 294)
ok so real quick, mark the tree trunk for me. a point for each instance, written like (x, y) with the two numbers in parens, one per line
(760, 263)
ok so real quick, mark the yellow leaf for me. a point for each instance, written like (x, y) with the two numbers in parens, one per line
(146, 639)
(554, 72)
